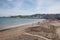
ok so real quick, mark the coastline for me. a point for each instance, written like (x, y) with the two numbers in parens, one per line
(9, 27)
(34, 30)
(15, 31)
(28, 23)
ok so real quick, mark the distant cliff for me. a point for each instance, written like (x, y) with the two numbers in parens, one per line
(41, 16)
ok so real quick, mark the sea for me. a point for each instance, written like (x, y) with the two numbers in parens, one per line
(14, 22)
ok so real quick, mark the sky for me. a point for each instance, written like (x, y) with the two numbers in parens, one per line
(29, 7)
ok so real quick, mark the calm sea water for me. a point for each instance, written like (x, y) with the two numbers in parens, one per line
(7, 22)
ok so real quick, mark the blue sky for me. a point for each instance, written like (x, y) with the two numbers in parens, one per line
(28, 7)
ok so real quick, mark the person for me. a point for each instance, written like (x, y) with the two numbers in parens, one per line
(38, 23)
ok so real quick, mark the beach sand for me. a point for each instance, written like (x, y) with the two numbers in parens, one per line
(37, 33)
(13, 32)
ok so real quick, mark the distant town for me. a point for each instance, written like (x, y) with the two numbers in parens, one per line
(38, 16)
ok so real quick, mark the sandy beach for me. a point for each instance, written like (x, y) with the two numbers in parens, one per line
(12, 32)
(33, 31)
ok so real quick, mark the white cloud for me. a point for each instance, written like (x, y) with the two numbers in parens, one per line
(53, 9)
(47, 6)
(42, 6)
(10, 0)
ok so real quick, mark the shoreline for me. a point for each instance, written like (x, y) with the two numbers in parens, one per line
(23, 24)
(32, 29)
(14, 26)
(15, 31)
(20, 25)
